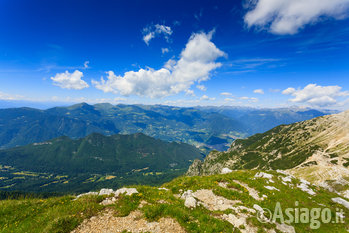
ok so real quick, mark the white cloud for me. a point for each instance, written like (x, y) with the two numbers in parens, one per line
(289, 16)
(196, 62)
(164, 50)
(151, 32)
(182, 102)
(205, 97)
(274, 90)
(70, 80)
(259, 91)
(5, 96)
(254, 100)
(288, 91)
(247, 65)
(163, 29)
(229, 99)
(315, 95)
(190, 92)
(148, 37)
(86, 64)
(201, 87)
(54, 67)
(252, 63)
(117, 99)
(69, 99)
(226, 94)
(249, 99)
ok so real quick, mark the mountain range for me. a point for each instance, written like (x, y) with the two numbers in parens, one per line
(206, 127)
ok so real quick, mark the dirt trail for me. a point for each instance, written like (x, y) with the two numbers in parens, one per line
(134, 222)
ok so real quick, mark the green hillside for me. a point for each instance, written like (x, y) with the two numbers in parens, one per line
(66, 165)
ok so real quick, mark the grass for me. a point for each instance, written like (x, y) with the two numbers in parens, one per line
(56, 214)
(62, 214)
(126, 204)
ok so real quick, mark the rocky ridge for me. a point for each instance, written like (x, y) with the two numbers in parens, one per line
(316, 150)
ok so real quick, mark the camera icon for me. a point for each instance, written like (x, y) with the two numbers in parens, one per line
(264, 215)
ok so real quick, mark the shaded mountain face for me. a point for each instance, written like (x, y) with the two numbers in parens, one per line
(21, 126)
(205, 127)
(317, 150)
(117, 157)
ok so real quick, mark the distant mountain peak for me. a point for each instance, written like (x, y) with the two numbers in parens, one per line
(80, 105)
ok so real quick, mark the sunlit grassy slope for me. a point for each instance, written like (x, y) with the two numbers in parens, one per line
(62, 214)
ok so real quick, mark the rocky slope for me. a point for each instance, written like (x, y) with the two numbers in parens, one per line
(316, 150)
(234, 202)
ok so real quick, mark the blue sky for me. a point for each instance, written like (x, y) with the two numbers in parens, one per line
(262, 53)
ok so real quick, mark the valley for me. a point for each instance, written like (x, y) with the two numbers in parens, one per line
(66, 165)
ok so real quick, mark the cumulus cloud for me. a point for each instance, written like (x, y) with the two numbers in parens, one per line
(70, 80)
(190, 92)
(196, 62)
(289, 91)
(205, 97)
(316, 95)
(152, 31)
(259, 91)
(226, 94)
(201, 87)
(289, 16)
